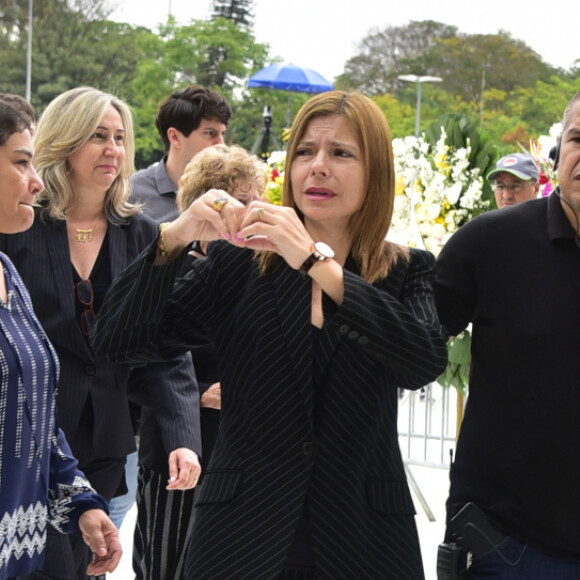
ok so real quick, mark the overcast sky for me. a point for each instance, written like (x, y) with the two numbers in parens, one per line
(323, 34)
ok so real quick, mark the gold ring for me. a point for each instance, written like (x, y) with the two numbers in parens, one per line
(219, 202)
(260, 213)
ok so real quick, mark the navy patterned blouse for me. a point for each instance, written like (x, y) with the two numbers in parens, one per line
(39, 478)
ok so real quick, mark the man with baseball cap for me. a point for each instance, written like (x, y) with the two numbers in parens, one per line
(515, 179)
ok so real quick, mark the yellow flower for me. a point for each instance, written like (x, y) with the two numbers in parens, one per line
(400, 185)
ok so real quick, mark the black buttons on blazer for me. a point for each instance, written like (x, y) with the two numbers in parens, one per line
(308, 448)
(90, 370)
(353, 334)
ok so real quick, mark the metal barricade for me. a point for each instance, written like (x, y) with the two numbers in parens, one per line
(427, 425)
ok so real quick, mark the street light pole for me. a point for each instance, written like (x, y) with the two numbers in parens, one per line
(419, 80)
(29, 53)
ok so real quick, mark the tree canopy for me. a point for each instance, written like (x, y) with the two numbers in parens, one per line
(494, 81)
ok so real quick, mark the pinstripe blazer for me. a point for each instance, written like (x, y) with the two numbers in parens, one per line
(284, 436)
(42, 257)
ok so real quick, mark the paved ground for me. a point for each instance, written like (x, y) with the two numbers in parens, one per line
(434, 485)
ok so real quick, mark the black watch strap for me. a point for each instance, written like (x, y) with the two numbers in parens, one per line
(308, 263)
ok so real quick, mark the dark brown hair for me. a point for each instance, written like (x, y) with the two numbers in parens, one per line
(186, 108)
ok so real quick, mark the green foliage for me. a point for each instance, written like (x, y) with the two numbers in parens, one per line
(385, 54)
(459, 354)
(65, 35)
(177, 56)
(469, 64)
(401, 116)
(247, 120)
(494, 81)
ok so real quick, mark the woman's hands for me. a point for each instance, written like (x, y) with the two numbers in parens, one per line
(214, 215)
(102, 537)
(278, 229)
(212, 398)
(259, 226)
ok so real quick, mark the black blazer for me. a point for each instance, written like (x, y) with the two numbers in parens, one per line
(42, 257)
(294, 424)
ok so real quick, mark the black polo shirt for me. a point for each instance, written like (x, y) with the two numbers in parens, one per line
(515, 275)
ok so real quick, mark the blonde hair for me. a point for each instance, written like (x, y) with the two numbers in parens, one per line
(65, 126)
(219, 167)
(372, 252)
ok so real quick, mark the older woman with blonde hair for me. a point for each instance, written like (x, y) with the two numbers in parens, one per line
(231, 169)
(317, 319)
(85, 232)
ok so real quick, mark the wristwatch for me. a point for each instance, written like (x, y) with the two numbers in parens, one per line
(320, 253)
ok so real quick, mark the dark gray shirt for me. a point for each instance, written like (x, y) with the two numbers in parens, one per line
(155, 191)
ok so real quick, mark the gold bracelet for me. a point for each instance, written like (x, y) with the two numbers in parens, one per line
(162, 240)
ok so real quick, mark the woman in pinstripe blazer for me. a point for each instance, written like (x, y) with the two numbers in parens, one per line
(306, 478)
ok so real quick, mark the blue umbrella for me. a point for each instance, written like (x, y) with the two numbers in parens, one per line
(289, 77)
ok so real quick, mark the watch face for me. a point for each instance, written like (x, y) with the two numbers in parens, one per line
(324, 249)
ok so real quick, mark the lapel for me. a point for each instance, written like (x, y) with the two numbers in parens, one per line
(118, 244)
(294, 299)
(59, 254)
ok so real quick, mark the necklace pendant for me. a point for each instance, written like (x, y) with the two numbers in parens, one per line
(84, 235)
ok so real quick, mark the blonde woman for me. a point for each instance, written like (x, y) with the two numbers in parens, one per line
(84, 234)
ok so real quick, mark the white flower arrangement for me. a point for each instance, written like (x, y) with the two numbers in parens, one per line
(437, 190)
(539, 149)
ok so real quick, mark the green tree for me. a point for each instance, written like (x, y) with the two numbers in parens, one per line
(385, 54)
(177, 56)
(239, 11)
(400, 116)
(248, 121)
(72, 45)
(472, 64)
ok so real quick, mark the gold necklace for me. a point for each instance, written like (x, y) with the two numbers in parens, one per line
(84, 235)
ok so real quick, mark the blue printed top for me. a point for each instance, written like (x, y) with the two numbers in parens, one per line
(39, 479)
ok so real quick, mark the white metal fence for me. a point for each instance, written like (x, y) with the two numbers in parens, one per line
(427, 431)
(428, 425)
